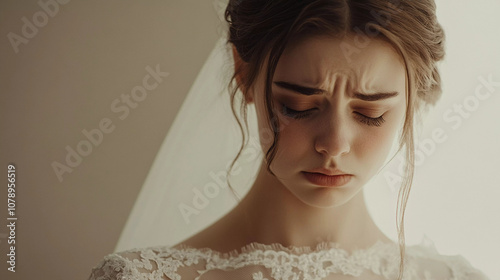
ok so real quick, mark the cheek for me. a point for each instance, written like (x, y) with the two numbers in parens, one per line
(289, 137)
(373, 141)
(374, 144)
(371, 149)
(295, 141)
(293, 147)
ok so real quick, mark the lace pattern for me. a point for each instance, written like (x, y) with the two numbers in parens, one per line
(275, 262)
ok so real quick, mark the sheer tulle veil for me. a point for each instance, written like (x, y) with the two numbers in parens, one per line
(186, 188)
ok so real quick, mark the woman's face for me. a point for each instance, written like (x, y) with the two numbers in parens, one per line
(343, 125)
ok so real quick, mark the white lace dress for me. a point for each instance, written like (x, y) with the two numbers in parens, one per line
(275, 262)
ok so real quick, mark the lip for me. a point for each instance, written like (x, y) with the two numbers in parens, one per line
(327, 180)
(329, 172)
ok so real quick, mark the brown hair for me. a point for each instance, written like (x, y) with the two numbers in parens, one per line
(263, 28)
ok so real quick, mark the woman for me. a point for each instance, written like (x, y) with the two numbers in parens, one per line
(333, 84)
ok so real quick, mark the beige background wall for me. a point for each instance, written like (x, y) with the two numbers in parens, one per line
(64, 80)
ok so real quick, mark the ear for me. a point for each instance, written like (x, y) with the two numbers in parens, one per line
(240, 64)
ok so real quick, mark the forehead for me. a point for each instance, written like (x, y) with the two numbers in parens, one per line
(320, 60)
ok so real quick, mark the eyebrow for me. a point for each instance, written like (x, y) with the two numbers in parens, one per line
(313, 91)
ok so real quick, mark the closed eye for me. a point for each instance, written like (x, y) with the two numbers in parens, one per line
(378, 121)
(294, 113)
(286, 111)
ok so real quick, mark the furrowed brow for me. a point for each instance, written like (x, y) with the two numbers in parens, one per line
(314, 91)
(374, 96)
(300, 89)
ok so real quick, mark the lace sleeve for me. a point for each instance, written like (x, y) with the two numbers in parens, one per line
(134, 265)
(112, 267)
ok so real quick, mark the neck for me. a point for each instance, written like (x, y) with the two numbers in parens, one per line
(272, 214)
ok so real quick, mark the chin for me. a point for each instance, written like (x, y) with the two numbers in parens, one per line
(328, 197)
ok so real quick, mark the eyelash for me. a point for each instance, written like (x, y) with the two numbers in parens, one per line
(304, 114)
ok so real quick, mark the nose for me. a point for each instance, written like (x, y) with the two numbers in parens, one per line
(332, 139)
